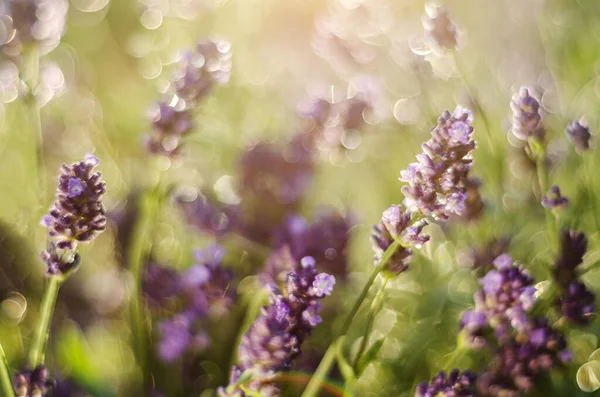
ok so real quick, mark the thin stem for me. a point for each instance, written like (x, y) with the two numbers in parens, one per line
(539, 153)
(37, 354)
(375, 307)
(32, 77)
(325, 365)
(138, 251)
(5, 378)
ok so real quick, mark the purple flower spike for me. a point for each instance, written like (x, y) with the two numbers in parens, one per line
(455, 384)
(438, 181)
(579, 134)
(527, 118)
(78, 214)
(554, 199)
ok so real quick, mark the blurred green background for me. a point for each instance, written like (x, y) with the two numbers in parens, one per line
(117, 55)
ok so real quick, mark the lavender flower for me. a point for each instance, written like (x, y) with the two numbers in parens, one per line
(578, 133)
(501, 305)
(39, 22)
(436, 182)
(160, 285)
(519, 361)
(59, 262)
(276, 336)
(205, 293)
(484, 256)
(78, 214)
(527, 119)
(35, 383)
(554, 199)
(207, 65)
(396, 224)
(455, 384)
(474, 204)
(439, 27)
(208, 215)
(575, 301)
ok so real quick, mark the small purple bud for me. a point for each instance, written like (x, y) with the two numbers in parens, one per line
(537, 337)
(74, 187)
(492, 282)
(503, 262)
(308, 262)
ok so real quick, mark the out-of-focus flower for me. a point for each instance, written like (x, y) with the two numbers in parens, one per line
(326, 240)
(33, 383)
(205, 293)
(578, 133)
(39, 22)
(208, 215)
(160, 284)
(78, 214)
(554, 199)
(455, 384)
(474, 204)
(518, 362)
(527, 118)
(439, 27)
(396, 224)
(437, 181)
(575, 301)
(200, 70)
(276, 336)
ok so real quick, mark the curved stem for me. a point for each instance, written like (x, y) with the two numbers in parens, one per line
(325, 365)
(5, 378)
(37, 354)
(32, 77)
(375, 308)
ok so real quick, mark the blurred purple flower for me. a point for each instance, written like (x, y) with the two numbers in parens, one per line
(575, 301)
(200, 70)
(439, 26)
(527, 119)
(209, 215)
(578, 133)
(33, 383)
(455, 384)
(554, 199)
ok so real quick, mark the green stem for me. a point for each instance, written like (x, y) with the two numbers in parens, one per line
(138, 251)
(375, 308)
(32, 77)
(5, 378)
(325, 365)
(539, 153)
(37, 354)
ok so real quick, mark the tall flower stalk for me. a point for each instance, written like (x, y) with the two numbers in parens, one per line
(436, 188)
(5, 378)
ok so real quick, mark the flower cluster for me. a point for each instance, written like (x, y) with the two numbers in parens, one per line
(578, 133)
(527, 118)
(39, 22)
(507, 294)
(575, 302)
(437, 181)
(77, 215)
(554, 199)
(201, 69)
(35, 383)
(455, 384)
(519, 361)
(440, 28)
(205, 293)
(524, 346)
(397, 224)
(276, 336)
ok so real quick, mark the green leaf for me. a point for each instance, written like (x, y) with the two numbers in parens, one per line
(369, 356)
(588, 376)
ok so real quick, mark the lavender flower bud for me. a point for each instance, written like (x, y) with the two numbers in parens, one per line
(439, 27)
(396, 224)
(78, 214)
(527, 118)
(579, 134)
(437, 181)
(554, 199)
(34, 383)
(456, 384)
(59, 262)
